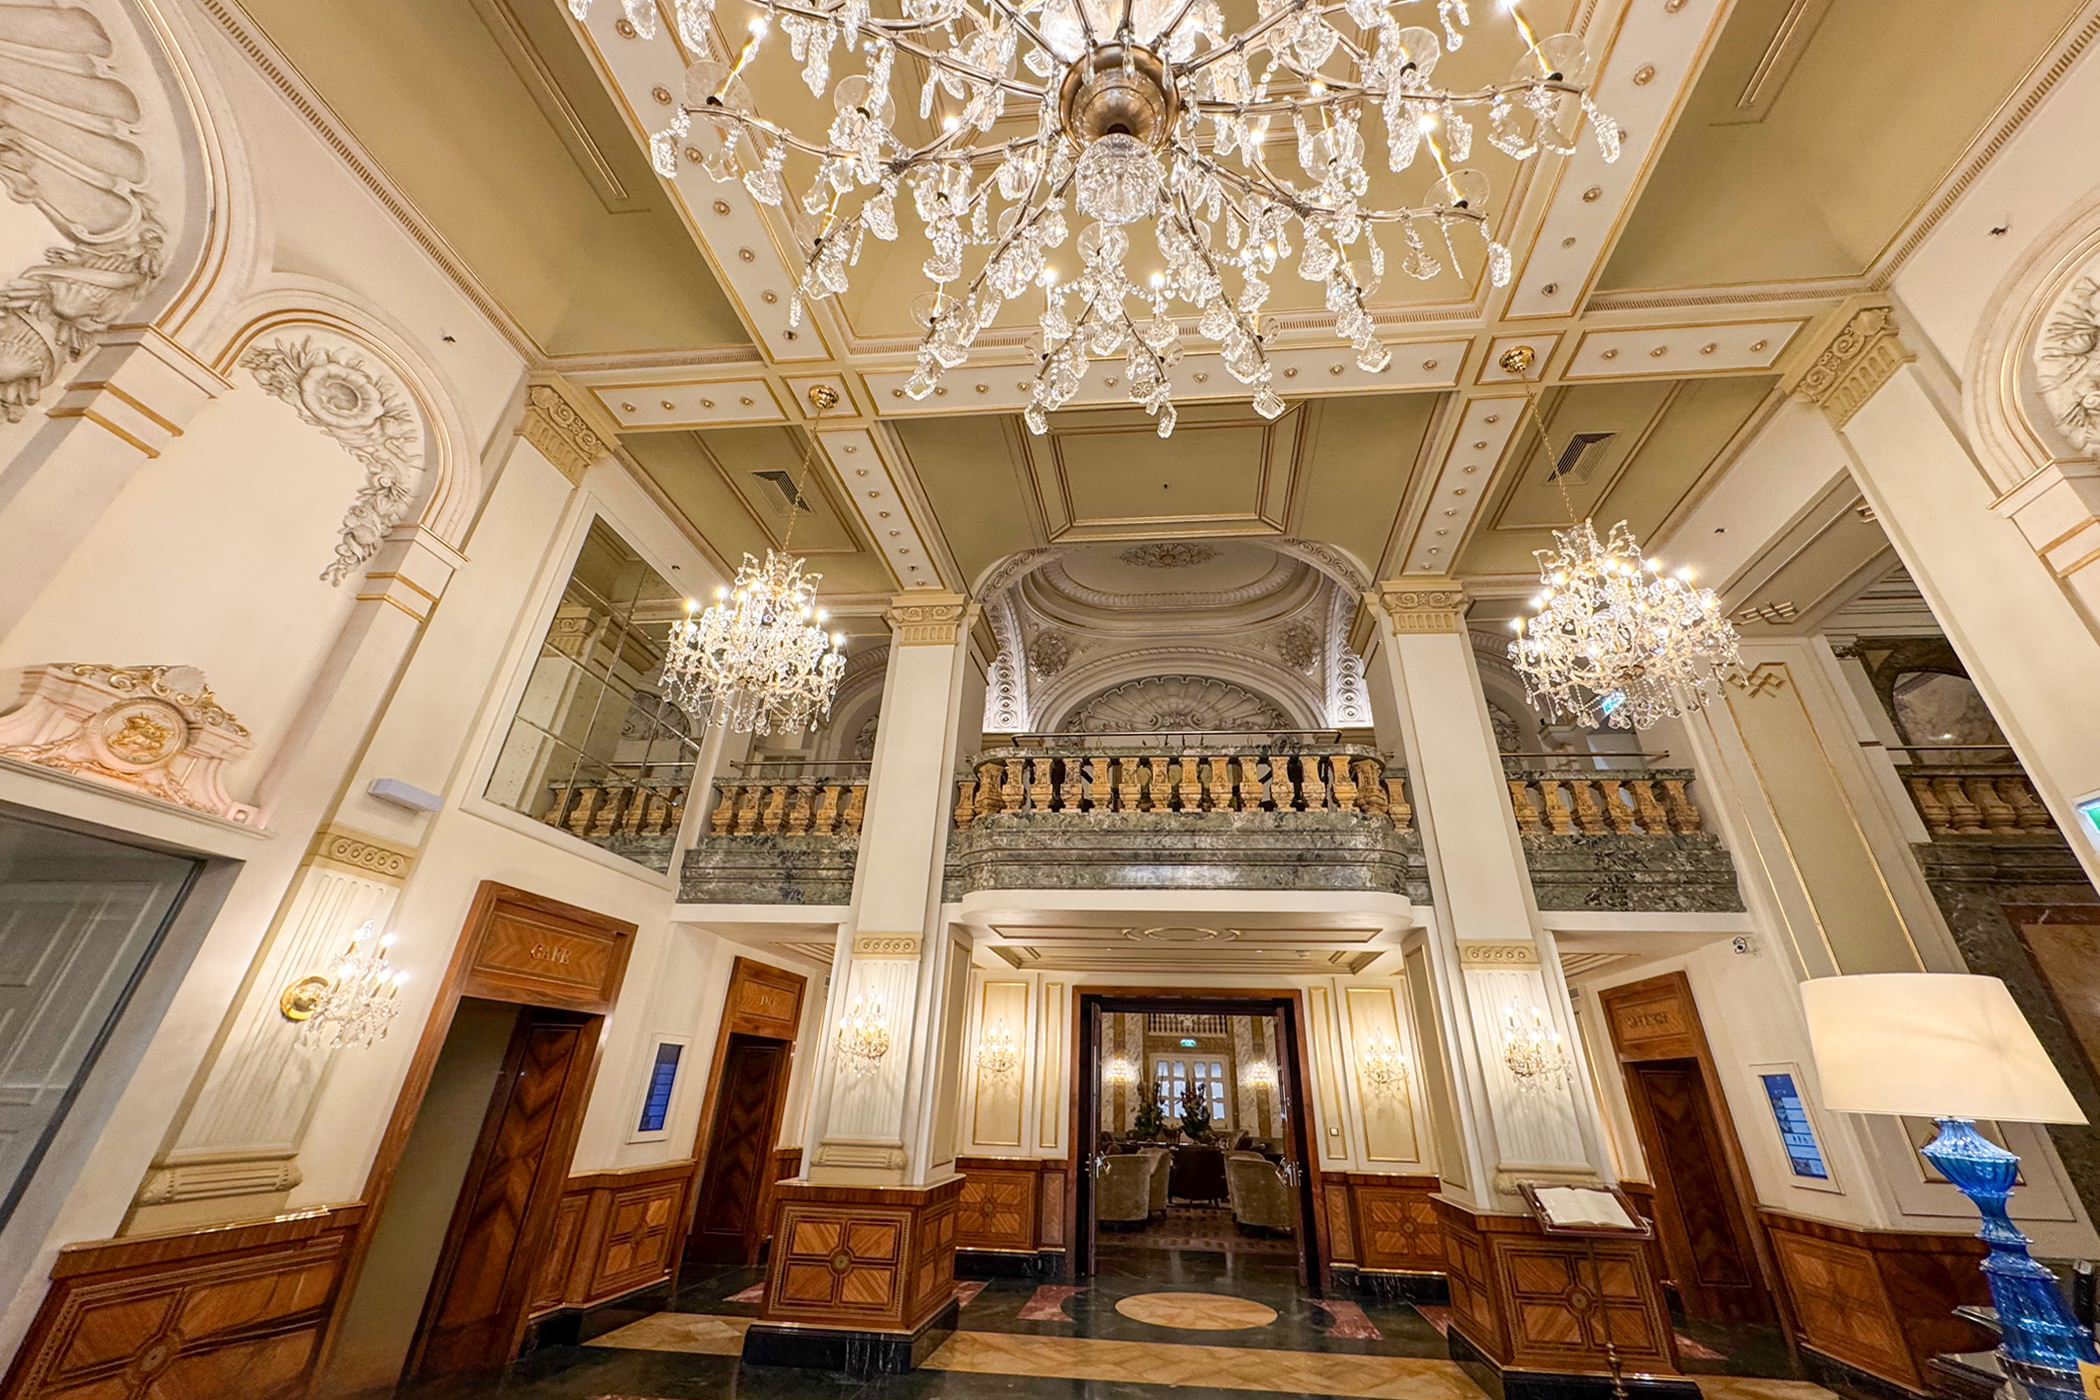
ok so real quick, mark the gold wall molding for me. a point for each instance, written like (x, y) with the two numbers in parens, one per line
(1498, 954)
(559, 423)
(363, 853)
(886, 945)
(1865, 354)
(1765, 678)
(929, 619)
(1431, 605)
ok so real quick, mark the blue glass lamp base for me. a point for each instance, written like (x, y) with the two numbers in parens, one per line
(2040, 1344)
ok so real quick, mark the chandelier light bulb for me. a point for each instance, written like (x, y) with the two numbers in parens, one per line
(1146, 119)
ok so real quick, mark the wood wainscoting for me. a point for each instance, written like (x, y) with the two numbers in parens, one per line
(1014, 1207)
(1382, 1224)
(1879, 1301)
(236, 1310)
(1529, 1302)
(615, 1233)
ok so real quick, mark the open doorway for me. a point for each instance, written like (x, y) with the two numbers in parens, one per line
(1196, 1156)
(735, 1147)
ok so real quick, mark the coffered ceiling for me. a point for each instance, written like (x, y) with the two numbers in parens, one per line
(1781, 155)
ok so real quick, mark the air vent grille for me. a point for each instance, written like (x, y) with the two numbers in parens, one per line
(782, 491)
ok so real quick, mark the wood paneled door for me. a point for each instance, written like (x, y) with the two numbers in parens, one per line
(504, 1219)
(728, 1224)
(1709, 1238)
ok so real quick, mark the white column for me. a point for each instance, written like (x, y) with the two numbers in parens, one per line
(1488, 950)
(895, 1126)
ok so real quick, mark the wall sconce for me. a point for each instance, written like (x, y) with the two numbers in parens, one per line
(1381, 1066)
(1260, 1075)
(1119, 1073)
(864, 1038)
(996, 1052)
(1533, 1052)
(357, 1004)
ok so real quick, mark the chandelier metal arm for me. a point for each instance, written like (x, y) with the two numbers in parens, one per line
(1240, 41)
(1020, 22)
(1188, 229)
(1339, 93)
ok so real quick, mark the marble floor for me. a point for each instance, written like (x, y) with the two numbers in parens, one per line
(1161, 1325)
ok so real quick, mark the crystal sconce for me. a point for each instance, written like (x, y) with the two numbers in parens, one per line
(996, 1053)
(1119, 1073)
(1533, 1052)
(1381, 1066)
(354, 1007)
(1260, 1075)
(865, 1037)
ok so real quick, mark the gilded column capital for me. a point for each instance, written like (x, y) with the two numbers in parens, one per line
(1863, 355)
(566, 427)
(1427, 604)
(929, 618)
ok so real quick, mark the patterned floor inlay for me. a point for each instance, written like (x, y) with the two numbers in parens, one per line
(696, 1333)
(1758, 1388)
(1196, 1312)
(1350, 1321)
(1048, 1304)
(1218, 1368)
(967, 1291)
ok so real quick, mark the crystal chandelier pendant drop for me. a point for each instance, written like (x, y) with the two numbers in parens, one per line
(1612, 640)
(758, 660)
(1210, 155)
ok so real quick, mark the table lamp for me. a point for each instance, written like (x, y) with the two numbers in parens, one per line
(1955, 1048)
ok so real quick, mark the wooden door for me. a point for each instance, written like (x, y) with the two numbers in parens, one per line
(727, 1225)
(1710, 1256)
(1296, 1165)
(478, 1300)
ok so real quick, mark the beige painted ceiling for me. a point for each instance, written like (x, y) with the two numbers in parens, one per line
(1818, 128)
(492, 123)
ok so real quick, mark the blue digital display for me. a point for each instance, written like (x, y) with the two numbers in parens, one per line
(1803, 1153)
(656, 1104)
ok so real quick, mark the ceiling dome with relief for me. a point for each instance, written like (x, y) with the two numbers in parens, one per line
(1205, 583)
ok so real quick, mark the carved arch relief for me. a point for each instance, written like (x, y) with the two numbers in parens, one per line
(1158, 704)
(2067, 361)
(73, 146)
(347, 395)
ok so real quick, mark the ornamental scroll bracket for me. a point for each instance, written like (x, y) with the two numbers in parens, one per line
(156, 730)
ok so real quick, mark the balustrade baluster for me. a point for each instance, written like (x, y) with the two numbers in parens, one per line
(724, 815)
(1190, 790)
(987, 788)
(827, 819)
(1997, 812)
(652, 809)
(1010, 791)
(1041, 790)
(1558, 814)
(799, 810)
(1309, 784)
(674, 813)
(1615, 809)
(856, 807)
(611, 808)
(747, 805)
(1159, 794)
(1282, 790)
(965, 803)
(1934, 811)
(1529, 822)
(775, 809)
(1249, 789)
(1653, 820)
(2027, 807)
(1068, 792)
(1685, 817)
(637, 811)
(1344, 782)
(1963, 816)
(1101, 785)
(1219, 784)
(1396, 804)
(1370, 793)
(1587, 815)
(1129, 772)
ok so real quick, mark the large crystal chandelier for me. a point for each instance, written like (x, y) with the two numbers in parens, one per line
(1613, 640)
(1225, 150)
(759, 660)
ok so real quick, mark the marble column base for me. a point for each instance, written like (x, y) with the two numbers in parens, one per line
(856, 1353)
(1515, 1383)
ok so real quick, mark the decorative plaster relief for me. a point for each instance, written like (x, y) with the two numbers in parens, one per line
(561, 433)
(1168, 554)
(1434, 606)
(70, 134)
(157, 730)
(1050, 652)
(1348, 699)
(1157, 704)
(923, 623)
(367, 413)
(1298, 645)
(1864, 355)
(2067, 360)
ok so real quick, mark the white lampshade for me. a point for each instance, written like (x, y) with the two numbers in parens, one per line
(1931, 1044)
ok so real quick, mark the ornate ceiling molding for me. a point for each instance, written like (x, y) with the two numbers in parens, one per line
(1426, 605)
(565, 427)
(1864, 355)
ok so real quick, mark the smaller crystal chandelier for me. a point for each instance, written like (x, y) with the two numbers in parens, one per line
(1260, 1075)
(1382, 1067)
(759, 660)
(1119, 1073)
(1533, 1052)
(997, 1054)
(356, 1006)
(1613, 640)
(864, 1038)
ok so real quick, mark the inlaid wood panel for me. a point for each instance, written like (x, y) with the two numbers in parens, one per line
(531, 949)
(229, 1311)
(1341, 1228)
(863, 1258)
(550, 1286)
(764, 1000)
(1052, 1233)
(613, 1235)
(1397, 1228)
(997, 1208)
(1879, 1300)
